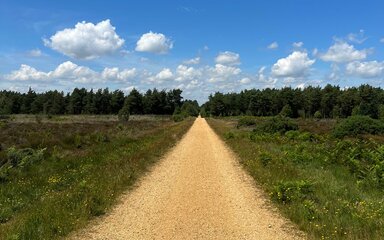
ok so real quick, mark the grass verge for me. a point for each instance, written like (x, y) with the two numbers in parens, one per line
(331, 188)
(84, 168)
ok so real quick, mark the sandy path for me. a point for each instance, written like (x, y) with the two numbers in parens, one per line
(198, 191)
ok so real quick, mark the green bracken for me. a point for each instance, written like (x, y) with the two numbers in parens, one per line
(331, 188)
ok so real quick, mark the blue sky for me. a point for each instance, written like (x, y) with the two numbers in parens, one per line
(198, 46)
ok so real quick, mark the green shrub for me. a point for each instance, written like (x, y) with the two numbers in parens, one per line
(124, 113)
(286, 111)
(318, 115)
(24, 157)
(265, 159)
(276, 125)
(356, 125)
(177, 117)
(246, 121)
(289, 191)
(19, 158)
(292, 134)
(300, 136)
(5, 214)
(229, 135)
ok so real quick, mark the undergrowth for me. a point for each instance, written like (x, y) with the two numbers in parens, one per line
(55, 177)
(331, 188)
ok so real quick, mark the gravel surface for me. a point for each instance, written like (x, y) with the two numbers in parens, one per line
(197, 191)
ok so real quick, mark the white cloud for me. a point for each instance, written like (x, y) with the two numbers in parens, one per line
(342, 52)
(205, 48)
(222, 72)
(357, 37)
(266, 81)
(187, 73)
(228, 58)
(71, 72)
(295, 65)
(192, 61)
(86, 40)
(245, 80)
(301, 86)
(35, 53)
(370, 69)
(27, 73)
(163, 75)
(115, 74)
(154, 43)
(297, 44)
(336, 74)
(68, 71)
(382, 40)
(273, 45)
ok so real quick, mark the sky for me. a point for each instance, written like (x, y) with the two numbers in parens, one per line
(199, 46)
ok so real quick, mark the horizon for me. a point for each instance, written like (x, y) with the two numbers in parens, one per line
(226, 47)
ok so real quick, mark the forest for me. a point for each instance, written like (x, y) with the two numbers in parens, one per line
(102, 101)
(328, 102)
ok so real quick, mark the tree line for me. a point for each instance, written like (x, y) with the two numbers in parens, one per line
(101, 101)
(328, 102)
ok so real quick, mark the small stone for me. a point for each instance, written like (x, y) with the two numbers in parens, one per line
(269, 225)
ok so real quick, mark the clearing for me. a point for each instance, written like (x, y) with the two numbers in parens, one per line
(197, 191)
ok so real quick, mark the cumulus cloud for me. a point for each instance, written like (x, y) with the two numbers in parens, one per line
(273, 45)
(245, 80)
(264, 80)
(187, 73)
(86, 40)
(163, 75)
(116, 74)
(35, 53)
(192, 61)
(342, 52)
(228, 58)
(154, 43)
(27, 73)
(222, 72)
(370, 69)
(71, 72)
(297, 44)
(295, 65)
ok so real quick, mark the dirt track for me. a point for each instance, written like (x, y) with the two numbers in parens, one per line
(198, 191)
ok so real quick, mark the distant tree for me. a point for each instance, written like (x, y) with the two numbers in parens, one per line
(286, 111)
(124, 112)
(135, 102)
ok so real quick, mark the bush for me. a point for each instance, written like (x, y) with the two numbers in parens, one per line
(289, 191)
(24, 157)
(356, 125)
(246, 121)
(19, 158)
(265, 159)
(318, 115)
(276, 125)
(286, 111)
(177, 117)
(229, 135)
(301, 136)
(124, 113)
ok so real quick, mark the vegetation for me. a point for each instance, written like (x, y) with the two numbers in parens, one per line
(56, 175)
(82, 101)
(358, 125)
(327, 102)
(331, 188)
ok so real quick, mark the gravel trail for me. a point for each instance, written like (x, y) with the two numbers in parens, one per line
(197, 191)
